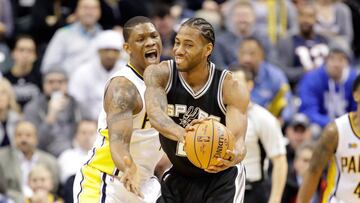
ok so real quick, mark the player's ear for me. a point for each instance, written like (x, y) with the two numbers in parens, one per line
(126, 47)
(209, 48)
(356, 95)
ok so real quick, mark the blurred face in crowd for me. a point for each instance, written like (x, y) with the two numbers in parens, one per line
(40, 178)
(336, 63)
(88, 12)
(24, 53)
(164, 25)
(307, 19)
(5, 92)
(144, 45)
(190, 48)
(251, 55)
(297, 135)
(26, 137)
(54, 82)
(108, 58)
(86, 134)
(243, 19)
(302, 161)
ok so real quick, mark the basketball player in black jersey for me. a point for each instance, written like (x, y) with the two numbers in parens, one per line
(187, 89)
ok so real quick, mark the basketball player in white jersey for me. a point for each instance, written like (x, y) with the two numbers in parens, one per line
(122, 161)
(339, 144)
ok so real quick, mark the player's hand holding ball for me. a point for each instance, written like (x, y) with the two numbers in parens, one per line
(210, 145)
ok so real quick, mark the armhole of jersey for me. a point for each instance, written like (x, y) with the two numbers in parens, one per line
(170, 79)
(220, 91)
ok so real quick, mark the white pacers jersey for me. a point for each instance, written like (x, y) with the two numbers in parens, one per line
(343, 179)
(145, 147)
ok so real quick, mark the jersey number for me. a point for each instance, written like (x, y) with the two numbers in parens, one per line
(357, 190)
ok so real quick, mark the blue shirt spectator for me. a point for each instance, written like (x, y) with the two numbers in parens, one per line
(271, 88)
(325, 93)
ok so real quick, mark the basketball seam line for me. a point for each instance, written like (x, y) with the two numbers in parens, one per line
(195, 146)
(212, 144)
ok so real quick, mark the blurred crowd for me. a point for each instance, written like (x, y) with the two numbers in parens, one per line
(56, 56)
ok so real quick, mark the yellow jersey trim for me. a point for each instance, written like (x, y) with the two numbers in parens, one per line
(355, 130)
(331, 180)
(135, 71)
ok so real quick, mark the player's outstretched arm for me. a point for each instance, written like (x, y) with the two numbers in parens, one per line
(121, 101)
(156, 78)
(236, 100)
(324, 149)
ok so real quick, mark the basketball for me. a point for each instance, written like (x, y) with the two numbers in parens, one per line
(207, 142)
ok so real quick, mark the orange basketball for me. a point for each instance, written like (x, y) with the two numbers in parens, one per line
(207, 142)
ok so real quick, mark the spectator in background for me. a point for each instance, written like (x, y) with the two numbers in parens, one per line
(325, 92)
(54, 113)
(296, 132)
(6, 19)
(9, 112)
(240, 22)
(333, 18)
(42, 185)
(3, 190)
(275, 19)
(48, 16)
(165, 23)
(303, 51)
(22, 15)
(271, 88)
(93, 75)
(69, 47)
(264, 139)
(71, 160)
(297, 171)
(4, 57)
(24, 76)
(354, 6)
(17, 160)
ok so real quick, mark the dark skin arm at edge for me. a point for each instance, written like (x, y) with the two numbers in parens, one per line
(324, 150)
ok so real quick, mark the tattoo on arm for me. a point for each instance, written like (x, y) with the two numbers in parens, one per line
(156, 78)
(121, 101)
(326, 147)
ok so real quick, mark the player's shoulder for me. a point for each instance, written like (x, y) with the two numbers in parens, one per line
(158, 73)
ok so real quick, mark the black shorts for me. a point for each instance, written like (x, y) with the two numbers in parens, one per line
(227, 187)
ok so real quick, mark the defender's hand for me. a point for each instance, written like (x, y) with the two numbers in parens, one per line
(130, 178)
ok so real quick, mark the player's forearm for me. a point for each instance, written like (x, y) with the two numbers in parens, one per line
(279, 174)
(165, 125)
(308, 187)
(119, 150)
(156, 107)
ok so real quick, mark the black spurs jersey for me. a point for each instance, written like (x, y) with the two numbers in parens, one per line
(184, 106)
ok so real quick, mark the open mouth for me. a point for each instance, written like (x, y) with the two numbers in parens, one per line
(151, 55)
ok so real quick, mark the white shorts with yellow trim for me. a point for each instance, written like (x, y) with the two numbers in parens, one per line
(94, 186)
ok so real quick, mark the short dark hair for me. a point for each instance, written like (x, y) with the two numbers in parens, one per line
(356, 84)
(205, 28)
(21, 37)
(132, 23)
(254, 39)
